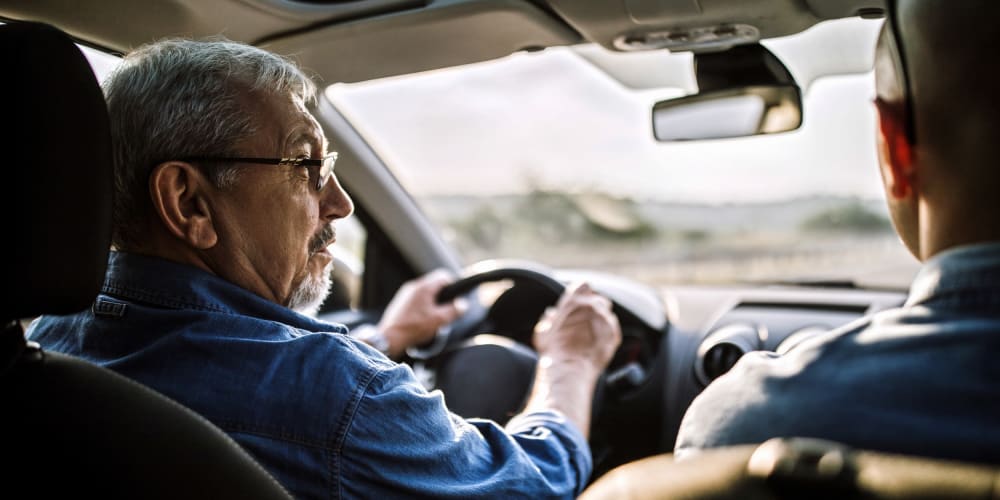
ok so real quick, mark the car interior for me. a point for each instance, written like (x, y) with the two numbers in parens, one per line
(117, 438)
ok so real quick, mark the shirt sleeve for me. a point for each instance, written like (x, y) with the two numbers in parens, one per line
(734, 409)
(402, 442)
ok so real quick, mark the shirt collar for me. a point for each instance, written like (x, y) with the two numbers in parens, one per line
(169, 284)
(966, 268)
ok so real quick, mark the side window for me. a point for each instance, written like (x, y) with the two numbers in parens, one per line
(348, 265)
(101, 62)
(368, 270)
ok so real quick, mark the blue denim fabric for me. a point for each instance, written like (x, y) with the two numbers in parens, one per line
(923, 379)
(329, 416)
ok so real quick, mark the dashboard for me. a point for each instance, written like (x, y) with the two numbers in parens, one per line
(703, 333)
(675, 341)
(711, 327)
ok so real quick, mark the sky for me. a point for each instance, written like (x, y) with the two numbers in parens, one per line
(553, 120)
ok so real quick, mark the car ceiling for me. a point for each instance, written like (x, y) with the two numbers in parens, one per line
(350, 41)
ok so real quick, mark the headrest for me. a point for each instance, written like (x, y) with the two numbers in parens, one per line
(56, 156)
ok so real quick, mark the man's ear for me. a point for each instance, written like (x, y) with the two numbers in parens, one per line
(899, 153)
(180, 193)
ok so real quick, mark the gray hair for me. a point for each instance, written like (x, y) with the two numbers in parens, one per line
(179, 98)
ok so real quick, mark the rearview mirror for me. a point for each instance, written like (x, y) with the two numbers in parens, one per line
(743, 91)
(739, 112)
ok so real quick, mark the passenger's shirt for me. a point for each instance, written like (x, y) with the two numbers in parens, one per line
(327, 415)
(921, 379)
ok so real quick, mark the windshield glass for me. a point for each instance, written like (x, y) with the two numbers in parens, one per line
(550, 157)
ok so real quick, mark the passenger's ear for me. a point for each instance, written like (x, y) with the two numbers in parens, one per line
(898, 151)
(180, 193)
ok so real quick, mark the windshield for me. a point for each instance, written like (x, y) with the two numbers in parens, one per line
(550, 157)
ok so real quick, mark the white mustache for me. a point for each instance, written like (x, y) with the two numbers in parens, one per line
(323, 239)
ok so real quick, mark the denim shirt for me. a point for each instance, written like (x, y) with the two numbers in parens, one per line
(922, 379)
(327, 415)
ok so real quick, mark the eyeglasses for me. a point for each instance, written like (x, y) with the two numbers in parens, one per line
(320, 169)
(896, 47)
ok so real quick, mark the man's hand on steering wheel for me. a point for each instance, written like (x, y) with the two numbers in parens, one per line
(575, 341)
(580, 327)
(413, 316)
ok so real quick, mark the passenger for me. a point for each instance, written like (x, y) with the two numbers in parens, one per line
(921, 379)
(217, 240)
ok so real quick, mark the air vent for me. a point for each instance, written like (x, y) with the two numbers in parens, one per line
(809, 306)
(327, 2)
(722, 348)
(720, 358)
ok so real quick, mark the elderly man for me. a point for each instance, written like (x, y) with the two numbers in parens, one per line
(225, 204)
(921, 379)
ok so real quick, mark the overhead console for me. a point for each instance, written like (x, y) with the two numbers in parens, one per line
(701, 25)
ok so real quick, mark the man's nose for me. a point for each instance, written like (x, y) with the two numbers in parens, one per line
(335, 202)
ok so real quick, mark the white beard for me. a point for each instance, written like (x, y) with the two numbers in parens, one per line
(311, 293)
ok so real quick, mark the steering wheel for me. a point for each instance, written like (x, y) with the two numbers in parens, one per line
(534, 288)
(515, 274)
(496, 371)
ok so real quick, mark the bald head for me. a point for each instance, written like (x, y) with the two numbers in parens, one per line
(936, 67)
(950, 53)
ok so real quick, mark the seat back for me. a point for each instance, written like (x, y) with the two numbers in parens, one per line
(71, 428)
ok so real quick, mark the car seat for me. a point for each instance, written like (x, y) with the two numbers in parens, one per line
(71, 428)
(796, 468)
